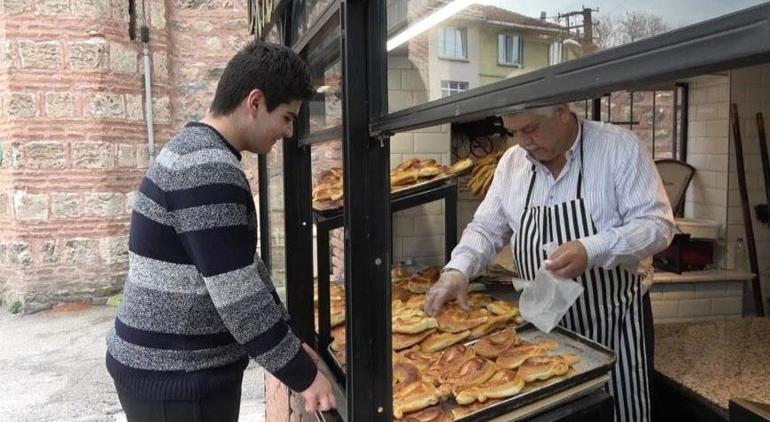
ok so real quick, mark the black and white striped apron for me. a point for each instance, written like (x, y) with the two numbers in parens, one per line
(610, 309)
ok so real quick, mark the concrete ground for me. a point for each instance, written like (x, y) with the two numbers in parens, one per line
(52, 369)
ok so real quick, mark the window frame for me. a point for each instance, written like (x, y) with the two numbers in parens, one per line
(520, 46)
(451, 90)
(463, 41)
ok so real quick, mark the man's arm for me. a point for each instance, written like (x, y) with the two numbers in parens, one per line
(648, 223)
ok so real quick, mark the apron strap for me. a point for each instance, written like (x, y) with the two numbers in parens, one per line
(531, 185)
(580, 174)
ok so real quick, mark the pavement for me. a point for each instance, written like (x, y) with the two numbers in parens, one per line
(52, 369)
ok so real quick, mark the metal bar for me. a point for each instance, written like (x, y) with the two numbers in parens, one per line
(729, 41)
(631, 111)
(299, 246)
(450, 222)
(264, 211)
(685, 121)
(324, 269)
(321, 136)
(654, 113)
(675, 126)
(746, 207)
(367, 221)
(316, 27)
(398, 203)
(596, 109)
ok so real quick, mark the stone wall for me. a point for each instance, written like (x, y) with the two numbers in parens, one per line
(73, 132)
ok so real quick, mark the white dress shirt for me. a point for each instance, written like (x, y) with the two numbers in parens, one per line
(621, 187)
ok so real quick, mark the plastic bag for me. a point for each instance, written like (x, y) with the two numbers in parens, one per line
(546, 299)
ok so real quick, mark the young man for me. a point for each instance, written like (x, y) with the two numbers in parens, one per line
(592, 188)
(198, 299)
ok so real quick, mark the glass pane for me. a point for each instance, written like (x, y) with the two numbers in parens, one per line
(277, 228)
(323, 57)
(426, 45)
(306, 13)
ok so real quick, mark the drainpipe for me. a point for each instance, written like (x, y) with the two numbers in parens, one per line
(148, 93)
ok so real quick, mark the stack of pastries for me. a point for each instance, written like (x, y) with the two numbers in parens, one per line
(433, 365)
(328, 190)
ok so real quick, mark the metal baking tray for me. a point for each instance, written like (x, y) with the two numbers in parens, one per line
(596, 361)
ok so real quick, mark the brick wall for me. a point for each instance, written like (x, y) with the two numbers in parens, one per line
(73, 131)
(71, 124)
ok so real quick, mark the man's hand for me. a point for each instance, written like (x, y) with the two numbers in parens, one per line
(311, 352)
(319, 395)
(452, 284)
(570, 260)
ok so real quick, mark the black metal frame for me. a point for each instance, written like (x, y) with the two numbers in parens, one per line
(730, 41)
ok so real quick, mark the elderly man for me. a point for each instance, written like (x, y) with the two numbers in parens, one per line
(593, 189)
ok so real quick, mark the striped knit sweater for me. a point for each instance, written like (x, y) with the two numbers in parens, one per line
(198, 299)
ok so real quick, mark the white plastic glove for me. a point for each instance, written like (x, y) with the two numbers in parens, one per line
(452, 284)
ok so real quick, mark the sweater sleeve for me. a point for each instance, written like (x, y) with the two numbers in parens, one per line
(214, 217)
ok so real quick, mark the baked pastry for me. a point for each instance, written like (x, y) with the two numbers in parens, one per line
(545, 367)
(440, 341)
(421, 281)
(448, 361)
(430, 171)
(341, 356)
(491, 346)
(404, 178)
(404, 374)
(406, 312)
(479, 300)
(415, 396)
(513, 358)
(416, 301)
(453, 319)
(474, 371)
(339, 339)
(502, 307)
(413, 324)
(403, 341)
(407, 164)
(431, 414)
(400, 293)
(337, 313)
(417, 358)
(398, 273)
(461, 166)
(492, 324)
(504, 383)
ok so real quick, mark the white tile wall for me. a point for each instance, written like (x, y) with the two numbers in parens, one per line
(750, 90)
(677, 302)
(418, 233)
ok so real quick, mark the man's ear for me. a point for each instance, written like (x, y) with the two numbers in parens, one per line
(256, 100)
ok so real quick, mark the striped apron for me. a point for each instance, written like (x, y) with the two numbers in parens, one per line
(610, 309)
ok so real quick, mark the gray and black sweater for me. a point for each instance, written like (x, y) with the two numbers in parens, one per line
(198, 299)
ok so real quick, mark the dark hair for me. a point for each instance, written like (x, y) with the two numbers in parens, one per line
(273, 69)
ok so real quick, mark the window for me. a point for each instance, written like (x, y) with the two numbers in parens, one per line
(452, 87)
(509, 49)
(554, 53)
(453, 43)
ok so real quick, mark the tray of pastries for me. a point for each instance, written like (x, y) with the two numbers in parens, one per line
(410, 176)
(480, 362)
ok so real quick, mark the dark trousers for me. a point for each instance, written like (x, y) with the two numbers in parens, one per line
(222, 406)
(649, 344)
